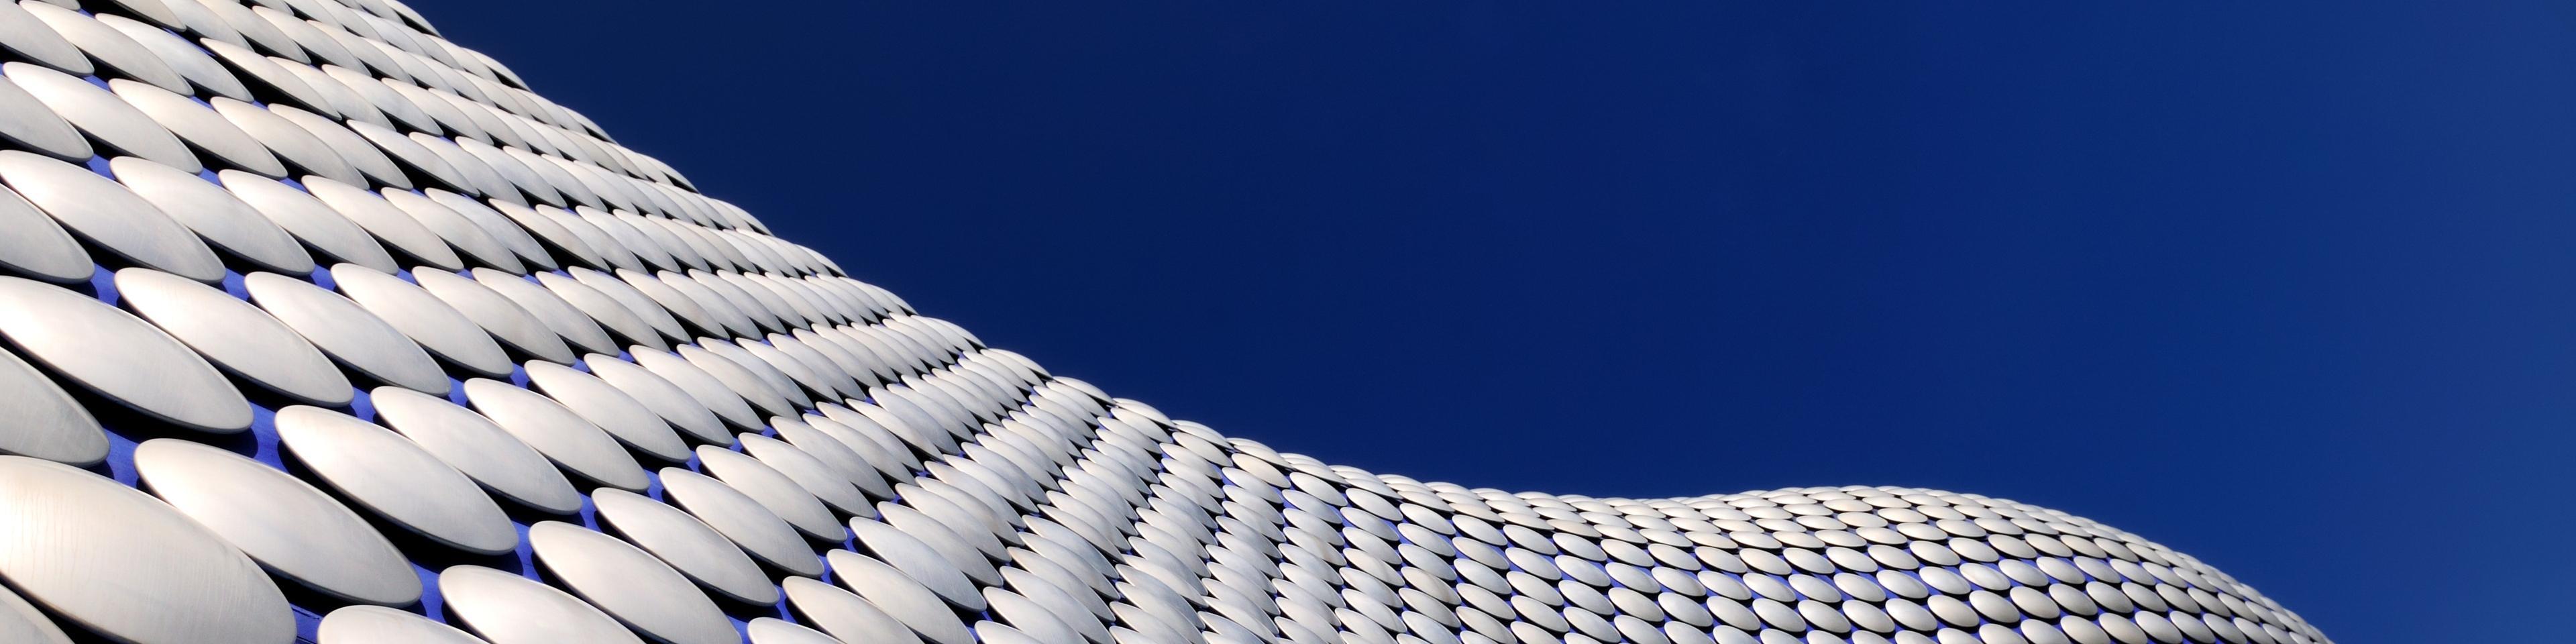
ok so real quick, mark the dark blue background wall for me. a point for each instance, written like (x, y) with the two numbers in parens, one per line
(2288, 286)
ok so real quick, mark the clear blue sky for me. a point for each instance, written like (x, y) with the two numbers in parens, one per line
(2289, 286)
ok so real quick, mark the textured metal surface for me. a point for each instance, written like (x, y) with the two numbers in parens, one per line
(812, 475)
(705, 387)
(192, 64)
(603, 314)
(917, 560)
(479, 448)
(347, 332)
(119, 356)
(742, 519)
(39, 419)
(108, 215)
(899, 596)
(321, 228)
(629, 584)
(383, 217)
(364, 624)
(104, 117)
(223, 220)
(558, 315)
(199, 126)
(119, 54)
(781, 495)
(509, 609)
(504, 319)
(31, 244)
(388, 474)
(664, 398)
(291, 528)
(609, 408)
(22, 622)
(110, 559)
(234, 335)
(771, 630)
(611, 314)
(453, 229)
(29, 123)
(845, 616)
(28, 37)
(433, 324)
(685, 543)
(563, 436)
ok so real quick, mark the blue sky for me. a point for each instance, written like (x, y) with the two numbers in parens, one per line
(2289, 286)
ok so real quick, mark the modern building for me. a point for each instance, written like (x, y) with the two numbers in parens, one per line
(320, 327)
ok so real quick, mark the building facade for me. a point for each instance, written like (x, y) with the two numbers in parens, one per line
(322, 328)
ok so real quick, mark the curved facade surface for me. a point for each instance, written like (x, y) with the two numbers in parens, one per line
(322, 328)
